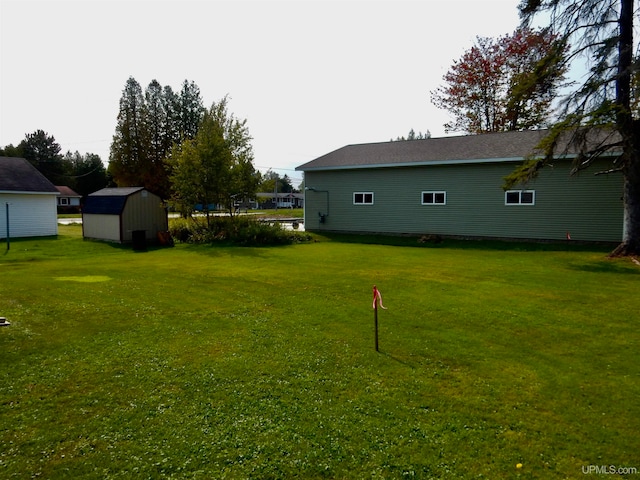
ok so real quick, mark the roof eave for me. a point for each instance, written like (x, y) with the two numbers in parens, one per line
(467, 161)
(27, 192)
(413, 164)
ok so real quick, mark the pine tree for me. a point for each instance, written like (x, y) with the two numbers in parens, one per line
(602, 105)
(129, 158)
(42, 150)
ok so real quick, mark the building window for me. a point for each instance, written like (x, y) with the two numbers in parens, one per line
(434, 198)
(363, 198)
(64, 201)
(520, 197)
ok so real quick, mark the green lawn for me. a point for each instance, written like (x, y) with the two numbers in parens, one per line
(218, 362)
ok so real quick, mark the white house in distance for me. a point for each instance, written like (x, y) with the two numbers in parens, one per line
(28, 198)
(69, 200)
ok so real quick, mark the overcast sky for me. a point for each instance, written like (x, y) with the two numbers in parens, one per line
(309, 76)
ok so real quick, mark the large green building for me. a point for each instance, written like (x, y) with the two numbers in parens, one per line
(453, 186)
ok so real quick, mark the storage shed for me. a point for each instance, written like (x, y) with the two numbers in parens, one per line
(28, 198)
(124, 215)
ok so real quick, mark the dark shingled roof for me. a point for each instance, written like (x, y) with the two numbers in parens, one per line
(489, 147)
(67, 192)
(18, 175)
(108, 201)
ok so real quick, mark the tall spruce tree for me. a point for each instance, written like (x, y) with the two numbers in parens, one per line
(129, 158)
(171, 130)
(601, 106)
(159, 127)
(148, 127)
(190, 110)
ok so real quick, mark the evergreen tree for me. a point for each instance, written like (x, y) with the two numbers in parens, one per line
(602, 105)
(171, 130)
(159, 124)
(129, 158)
(413, 136)
(148, 127)
(87, 173)
(12, 151)
(190, 110)
(42, 150)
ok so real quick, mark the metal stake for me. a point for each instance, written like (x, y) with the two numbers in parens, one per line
(375, 319)
(8, 236)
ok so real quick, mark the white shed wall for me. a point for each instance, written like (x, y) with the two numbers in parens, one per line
(30, 215)
(103, 227)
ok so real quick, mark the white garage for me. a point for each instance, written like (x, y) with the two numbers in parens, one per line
(28, 201)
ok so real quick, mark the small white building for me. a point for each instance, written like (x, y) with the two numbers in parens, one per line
(124, 215)
(28, 199)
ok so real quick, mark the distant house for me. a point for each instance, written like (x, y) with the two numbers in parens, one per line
(124, 215)
(452, 186)
(28, 198)
(281, 200)
(68, 200)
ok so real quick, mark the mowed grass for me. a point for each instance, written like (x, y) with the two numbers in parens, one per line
(210, 362)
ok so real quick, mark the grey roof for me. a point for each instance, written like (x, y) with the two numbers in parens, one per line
(19, 175)
(280, 195)
(116, 192)
(108, 201)
(489, 147)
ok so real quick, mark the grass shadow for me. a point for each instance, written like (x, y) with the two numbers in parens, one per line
(395, 359)
(217, 250)
(465, 244)
(606, 266)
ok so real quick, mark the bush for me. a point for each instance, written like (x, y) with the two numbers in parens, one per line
(244, 231)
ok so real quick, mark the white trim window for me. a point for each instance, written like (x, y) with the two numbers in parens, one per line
(363, 198)
(434, 198)
(520, 197)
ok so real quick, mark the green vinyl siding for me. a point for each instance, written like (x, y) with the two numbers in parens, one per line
(586, 206)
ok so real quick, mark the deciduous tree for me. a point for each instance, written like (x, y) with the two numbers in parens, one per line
(272, 181)
(215, 167)
(485, 90)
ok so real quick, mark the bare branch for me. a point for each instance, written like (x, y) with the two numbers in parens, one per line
(607, 172)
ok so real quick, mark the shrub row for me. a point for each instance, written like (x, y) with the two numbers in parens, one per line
(238, 230)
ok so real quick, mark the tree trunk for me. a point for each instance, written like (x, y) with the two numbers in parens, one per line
(631, 236)
(627, 127)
